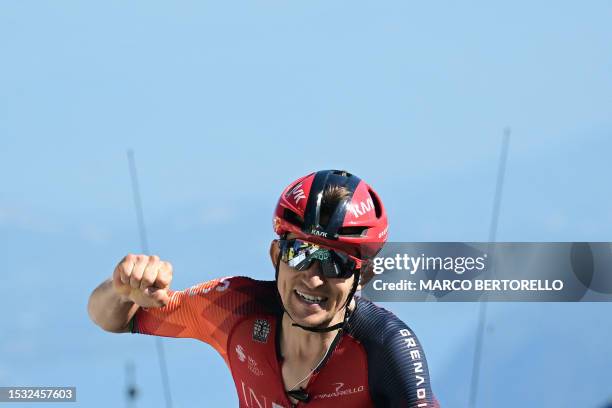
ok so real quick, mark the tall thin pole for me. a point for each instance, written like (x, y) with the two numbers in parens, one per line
(145, 249)
(131, 390)
(482, 315)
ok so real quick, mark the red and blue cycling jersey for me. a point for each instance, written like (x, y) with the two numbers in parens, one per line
(376, 361)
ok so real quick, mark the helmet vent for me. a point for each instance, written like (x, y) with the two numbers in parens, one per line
(352, 231)
(376, 201)
(341, 173)
(293, 218)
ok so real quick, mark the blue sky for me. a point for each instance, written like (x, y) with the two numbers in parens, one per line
(226, 103)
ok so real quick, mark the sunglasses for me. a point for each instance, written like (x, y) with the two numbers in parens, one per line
(299, 255)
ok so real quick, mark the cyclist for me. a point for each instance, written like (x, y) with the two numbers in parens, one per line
(303, 339)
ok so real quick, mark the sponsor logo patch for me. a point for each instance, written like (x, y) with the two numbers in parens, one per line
(240, 353)
(340, 391)
(251, 364)
(261, 330)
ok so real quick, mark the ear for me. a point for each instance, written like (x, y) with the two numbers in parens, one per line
(366, 275)
(274, 249)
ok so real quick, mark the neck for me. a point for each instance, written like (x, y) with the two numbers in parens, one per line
(297, 343)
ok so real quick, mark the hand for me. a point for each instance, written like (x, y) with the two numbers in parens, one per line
(143, 279)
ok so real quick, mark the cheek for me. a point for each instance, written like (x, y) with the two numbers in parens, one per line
(342, 291)
(284, 281)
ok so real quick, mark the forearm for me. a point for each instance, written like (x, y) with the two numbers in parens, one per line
(109, 310)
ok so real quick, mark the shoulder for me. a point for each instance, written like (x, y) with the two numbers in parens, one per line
(240, 284)
(235, 291)
(397, 369)
(375, 325)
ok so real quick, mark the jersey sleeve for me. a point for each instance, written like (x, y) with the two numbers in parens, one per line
(207, 312)
(398, 370)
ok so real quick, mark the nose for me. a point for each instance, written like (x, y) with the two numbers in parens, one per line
(313, 276)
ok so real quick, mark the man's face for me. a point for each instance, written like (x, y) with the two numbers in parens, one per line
(309, 297)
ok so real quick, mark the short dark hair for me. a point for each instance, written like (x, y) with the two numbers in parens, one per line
(332, 196)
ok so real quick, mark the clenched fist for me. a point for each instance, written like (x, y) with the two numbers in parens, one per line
(144, 279)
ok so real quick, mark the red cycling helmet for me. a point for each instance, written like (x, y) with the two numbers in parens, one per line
(357, 225)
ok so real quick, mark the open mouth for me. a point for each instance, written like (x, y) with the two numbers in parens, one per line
(313, 300)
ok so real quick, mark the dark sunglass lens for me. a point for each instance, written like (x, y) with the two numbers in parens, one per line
(345, 272)
(345, 265)
(333, 264)
(330, 269)
(305, 264)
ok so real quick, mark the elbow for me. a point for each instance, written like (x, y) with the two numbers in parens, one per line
(94, 314)
(97, 316)
(125, 329)
(91, 309)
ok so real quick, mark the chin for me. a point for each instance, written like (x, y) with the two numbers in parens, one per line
(313, 320)
(308, 315)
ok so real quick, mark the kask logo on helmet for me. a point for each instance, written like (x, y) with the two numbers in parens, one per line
(297, 193)
(318, 233)
(362, 207)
